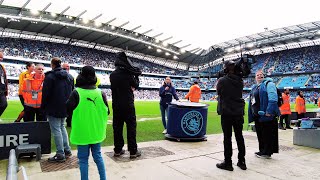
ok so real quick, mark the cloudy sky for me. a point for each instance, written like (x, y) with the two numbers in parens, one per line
(201, 23)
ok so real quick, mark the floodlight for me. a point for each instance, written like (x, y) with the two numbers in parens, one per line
(85, 21)
(34, 12)
(175, 57)
(159, 50)
(167, 54)
(53, 14)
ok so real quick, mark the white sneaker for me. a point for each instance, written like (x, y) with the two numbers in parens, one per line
(164, 131)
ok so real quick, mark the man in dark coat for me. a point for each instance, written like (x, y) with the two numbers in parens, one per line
(3, 87)
(123, 83)
(231, 109)
(56, 90)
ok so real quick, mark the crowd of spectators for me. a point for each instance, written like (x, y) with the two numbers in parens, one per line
(42, 50)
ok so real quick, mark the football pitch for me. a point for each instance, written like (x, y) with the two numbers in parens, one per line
(149, 125)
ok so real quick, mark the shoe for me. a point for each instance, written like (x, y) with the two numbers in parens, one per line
(242, 165)
(257, 153)
(137, 154)
(263, 156)
(164, 131)
(119, 154)
(225, 166)
(57, 158)
(17, 120)
(282, 128)
(289, 127)
(67, 154)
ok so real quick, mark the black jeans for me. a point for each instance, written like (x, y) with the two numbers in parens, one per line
(30, 113)
(227, 122)
(267, 133)
(3, 103)
(121, 116)
(286, 118)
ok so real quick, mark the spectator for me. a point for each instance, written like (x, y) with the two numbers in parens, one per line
(32, 95)
(56, 91)
(90, 110)
(24, 75)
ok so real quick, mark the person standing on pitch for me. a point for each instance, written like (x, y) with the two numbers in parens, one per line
(166, 92)
(300, 107)
(194, 94)
(90, 110)
(285, 110)
(66, 67)
(56, 90)
(124, 80)
(30, 70)
(231, 108)
(3, 87)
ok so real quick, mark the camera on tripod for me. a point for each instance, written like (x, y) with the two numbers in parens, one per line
(242, 66)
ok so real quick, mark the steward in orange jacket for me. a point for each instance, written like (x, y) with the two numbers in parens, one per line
(194, 93)
(285, 107)
(300, 106)
(285, 110)
(319, 102)
(32, 95)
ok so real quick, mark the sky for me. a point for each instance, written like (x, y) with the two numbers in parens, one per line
(201, 23)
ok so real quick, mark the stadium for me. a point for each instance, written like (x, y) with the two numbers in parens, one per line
(290, 55)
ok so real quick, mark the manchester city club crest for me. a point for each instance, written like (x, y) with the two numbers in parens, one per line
(191, 123)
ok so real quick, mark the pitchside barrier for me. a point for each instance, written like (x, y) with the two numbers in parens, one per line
(14, 134)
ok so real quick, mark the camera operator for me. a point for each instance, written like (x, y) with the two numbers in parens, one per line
(231, 108)
(124, 80)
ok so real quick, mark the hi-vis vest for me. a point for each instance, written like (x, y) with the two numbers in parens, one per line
(319, 102)
(300, 105)
(32, 91)
(285, 107)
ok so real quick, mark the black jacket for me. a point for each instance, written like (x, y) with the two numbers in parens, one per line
(73, 100)
(57, 87)
(229, 89)
(122, 83)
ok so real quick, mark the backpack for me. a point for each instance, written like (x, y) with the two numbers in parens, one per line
(280, 100)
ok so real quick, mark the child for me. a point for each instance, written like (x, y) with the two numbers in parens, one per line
(89, 120)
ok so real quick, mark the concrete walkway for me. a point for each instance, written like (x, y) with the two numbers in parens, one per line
(195, 160)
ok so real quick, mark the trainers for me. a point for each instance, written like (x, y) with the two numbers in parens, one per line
(282, 128)
(137, 154)
(263, 156)
(289, 127)
(119, 154)
(57, 158)
(164, 131)
(67, 154)
(242, 165)
(225, 166)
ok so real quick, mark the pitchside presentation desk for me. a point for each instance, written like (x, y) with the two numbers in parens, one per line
(187, 121)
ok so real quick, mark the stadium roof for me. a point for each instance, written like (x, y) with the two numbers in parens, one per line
(72, 28)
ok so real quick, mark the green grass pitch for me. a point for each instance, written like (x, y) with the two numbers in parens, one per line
(147, 130)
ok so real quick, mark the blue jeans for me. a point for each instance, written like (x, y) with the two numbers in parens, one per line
(164, 115)
(83, 156)
(60, 134)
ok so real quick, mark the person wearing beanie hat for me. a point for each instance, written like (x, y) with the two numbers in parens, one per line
(90, 110)
(123, 83)
(57, 87)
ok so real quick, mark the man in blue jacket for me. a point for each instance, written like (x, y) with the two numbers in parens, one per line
(166, 92)
(56, 90)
